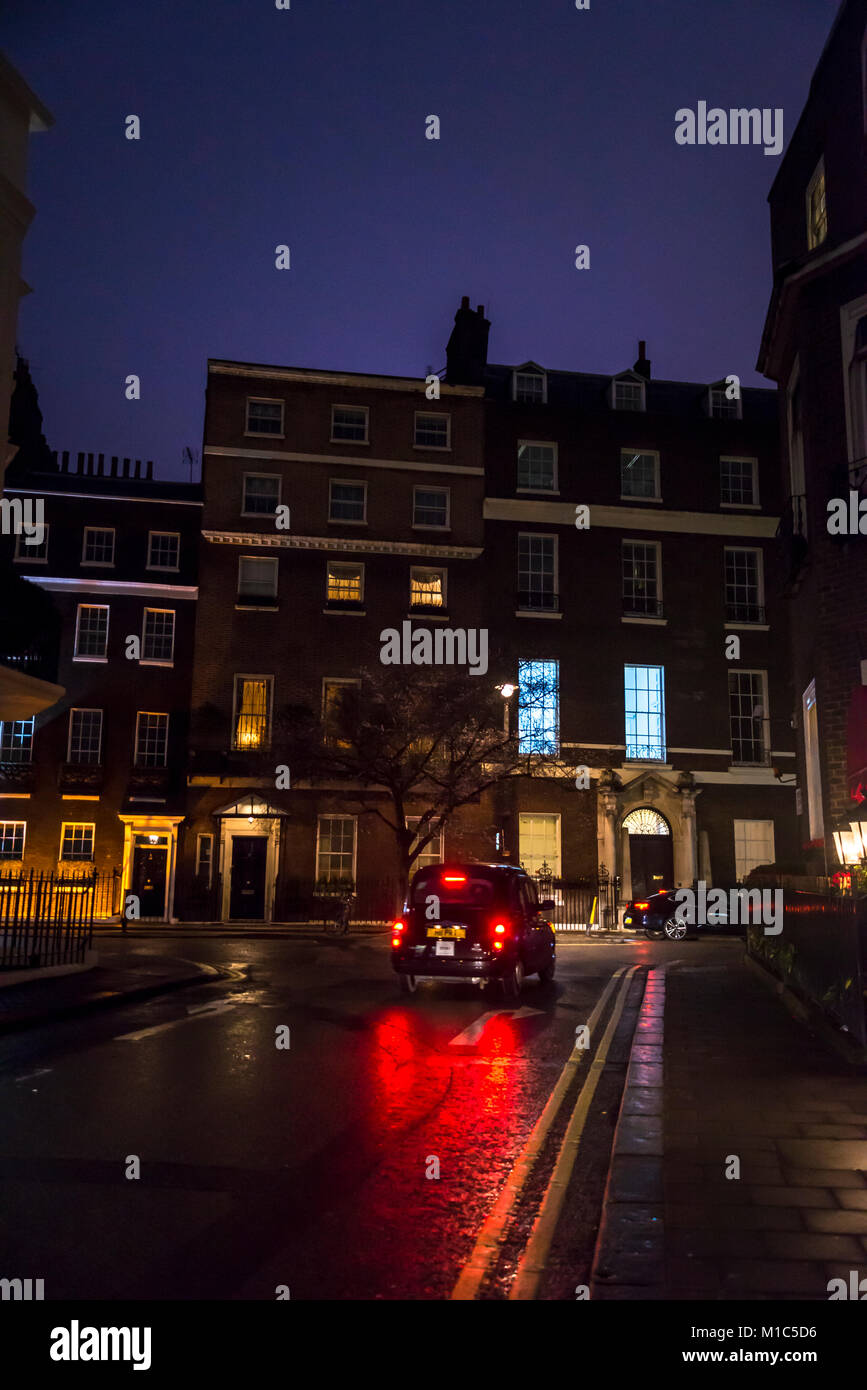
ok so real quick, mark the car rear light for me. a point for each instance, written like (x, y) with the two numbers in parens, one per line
(498, 945)
(454, 878)
(499, 929)
(398, 926)
(396, 929)
(642, 907)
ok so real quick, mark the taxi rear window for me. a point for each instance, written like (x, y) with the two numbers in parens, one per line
(465, 889)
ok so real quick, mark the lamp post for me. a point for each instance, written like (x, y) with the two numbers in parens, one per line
(850, 841)
(507, 690)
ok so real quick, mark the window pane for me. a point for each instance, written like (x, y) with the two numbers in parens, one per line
(536, 572)
(430, 507)
(536, 466)
(264, 417)
(747, 716)
(742, 586)
(92, 634)
(163, 550)
(85, 735)
(736, 481)
(637, 474)
(257, 578)
(754, 845)
(640, 579)
(98, 546)
(159, 634)
(627, 395)
(427, 588)
(348, 423)
(252, 698)
(77, 841)
(347, 502)
(152, 731)
(344, 583)
(335, 848)
(645, 713)
(529, 387)
(432, 431)
(16, 740)
(539, 706)
(12, 839)
(261, 495)
(539, 844)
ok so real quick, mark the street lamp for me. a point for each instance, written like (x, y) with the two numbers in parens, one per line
(850, 839)
(507, 690)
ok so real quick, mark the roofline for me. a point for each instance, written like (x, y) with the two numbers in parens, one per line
(223, 366)
(630, 371)
(40, 116)
(821, 59)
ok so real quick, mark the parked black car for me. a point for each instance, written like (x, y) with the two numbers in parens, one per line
(482, 923)
(655, 916)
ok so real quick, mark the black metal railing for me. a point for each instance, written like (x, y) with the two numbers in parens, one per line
(537, 601)
(580, 904)
(745, 613)
(642, 606)
(45, 918)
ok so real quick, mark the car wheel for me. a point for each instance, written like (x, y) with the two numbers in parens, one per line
(674, 930)
(547, 974)
(408, 984)
(511, 983)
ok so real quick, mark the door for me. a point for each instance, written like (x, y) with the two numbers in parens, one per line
(652, 863)
(149, 866)
(247, 888)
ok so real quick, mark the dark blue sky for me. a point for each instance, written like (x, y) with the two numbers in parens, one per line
(306, 127)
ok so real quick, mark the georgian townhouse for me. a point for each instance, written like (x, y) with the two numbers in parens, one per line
(96, 780)
(631, 568)
(336, 505)
(815, 348)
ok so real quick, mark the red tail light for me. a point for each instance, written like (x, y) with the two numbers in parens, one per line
(397, 928)
(498, 945)
(454, 878)
(642, 907)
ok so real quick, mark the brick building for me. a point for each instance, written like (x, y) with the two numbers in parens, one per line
(815, 347)
(97, 779)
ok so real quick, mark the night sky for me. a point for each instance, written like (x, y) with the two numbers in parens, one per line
(307, 127)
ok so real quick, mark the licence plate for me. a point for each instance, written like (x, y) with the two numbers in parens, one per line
(456, 933)
(444, 948)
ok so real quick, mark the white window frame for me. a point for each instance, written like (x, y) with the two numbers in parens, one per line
(426, 525)
(436, 846)
(157, 660)
(86, 825)
(264, 434)
(271, 560)
(152, 714)
(657, 474)
(765, 735)
(539, 375)
(718, 389)
(163, 569)
(850, 315)
(98, 660)
(84, 709)
(328, 815)
(262, 516)
(99, 564)
(433, 608)
(25, 552)
(202, 838)
(8, 859)
(552, 491)
(760, 580)
(237, 679)
(813, 763)
(20, 762)
(343, 565)
(363, 409)
(752, 820)
(433, 415)
(632, 379)
(647, 666)
(817, 176)
(548, 816)
(753, 506)
(547, 536)
(347, 482)
(654, 545)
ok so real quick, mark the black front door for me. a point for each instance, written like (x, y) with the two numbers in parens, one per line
(652, 863)
(149, 878)
(247, 891)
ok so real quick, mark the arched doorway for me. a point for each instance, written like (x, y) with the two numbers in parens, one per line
(651, 855)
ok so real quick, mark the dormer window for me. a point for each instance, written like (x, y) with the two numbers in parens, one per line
(530, 385)
(627, 392)
(817, 209)
(719, 406)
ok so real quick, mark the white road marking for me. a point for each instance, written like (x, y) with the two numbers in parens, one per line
(195, 1012)
(475, 1030)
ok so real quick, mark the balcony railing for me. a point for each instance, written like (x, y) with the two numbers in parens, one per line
(642, 606)
(645, 752)
(534, 601)
(80, 777)
(745, 613)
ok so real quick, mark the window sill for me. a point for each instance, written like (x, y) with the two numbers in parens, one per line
(647, 622)
(421, 526)
(163, 569)
(96, 564)
(648, 762)
(344, 521)
(748, 627)
(93, 660)
(150, 661)
(261, 516)
(655, 501)
(30, 560)
(421, 615)
(347, 612)
(434, 448)
(262, 434)
(257, 607)
(535, 613)
(538, 491)
(365, 443)
(740, 506)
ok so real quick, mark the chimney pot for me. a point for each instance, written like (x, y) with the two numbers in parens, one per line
(114, 465)
(150, 469)
(126, 468)
(465, 302)
(137, 467)
(64, 467)
(80, 463)
(480, 309)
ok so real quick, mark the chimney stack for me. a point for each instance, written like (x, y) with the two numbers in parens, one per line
(64, 466)
(467, 349)
(150, 469)
(126, 468)
(100, 464)
(642, 366)
(114, 465)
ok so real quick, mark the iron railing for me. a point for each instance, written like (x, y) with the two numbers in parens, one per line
(45, 918)
(745, 613)
(535, 600)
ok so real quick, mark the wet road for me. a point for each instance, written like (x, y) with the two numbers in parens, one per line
(365, 1160)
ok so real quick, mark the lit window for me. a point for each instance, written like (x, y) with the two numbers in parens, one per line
(264, 417)
(151, 739)
(335, 849)
(427, 588)
(539, 707)
(76, 841)
(85, 736)
(16, 740)
(163, 550)
(12, 839)
(257, 578)
(537, 566)
(430, 507)
(738, 481)
(539, 844)
(748, 716)
(644, 699)
(641, 597)
(349, 423)
(251, 723)
(743, 580)
(537, 467)
(817, 209)
(433, 852)
(98, 546)
(158, 635)
(530, 388)
(754, 845)
(347, 501)
(432, 431)
(91, 632)
(639, 474)
(345, 583)
(339, 710)
(261, 494)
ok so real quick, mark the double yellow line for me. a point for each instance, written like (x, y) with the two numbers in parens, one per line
(490, 1238)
